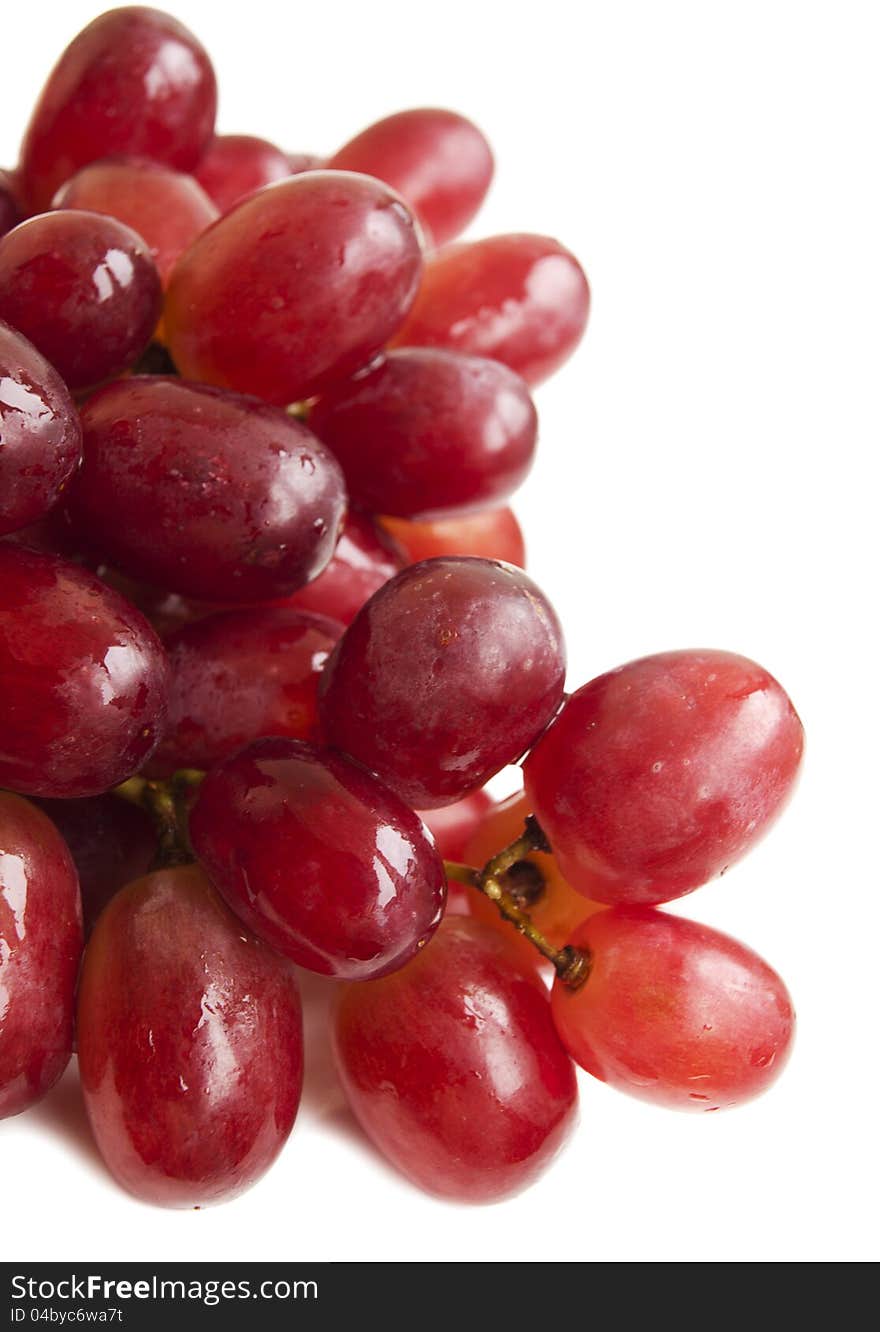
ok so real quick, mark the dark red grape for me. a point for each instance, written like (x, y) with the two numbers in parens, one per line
(446, 675)
(84, 289)
(663, 773)
(319, 859)
(40, 434)
(453, 826)
(167, 208)
(40, 948)
(10, 212)
(520, 299)
(674, 1012)
(111, 841)
(83, 679)
(136, 82)
(299, 286)
(240, 675)
(437, 160)
(205, 492)
(189, 1036)
(363, 562)
(454, 1069)
(493, 534)
(429, 433)
(237, 164)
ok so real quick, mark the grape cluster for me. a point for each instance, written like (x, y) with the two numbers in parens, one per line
(265, 635)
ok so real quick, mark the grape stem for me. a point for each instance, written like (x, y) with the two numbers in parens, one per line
(571, 966)
(168, 805)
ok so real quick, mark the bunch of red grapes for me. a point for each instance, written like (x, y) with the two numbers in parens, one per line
(227, 685)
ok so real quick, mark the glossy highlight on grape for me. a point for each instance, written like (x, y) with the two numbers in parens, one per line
(205, 492)
(134, 82)
(520, 299)
(663, 773)
(167, 208)
(454, 1069)
(429, 433)
(40, 948)
(84, 289)
(40, 433)
(189, 1034)
(299, 286)
(83, 679)
(448, 673)
(319, 859)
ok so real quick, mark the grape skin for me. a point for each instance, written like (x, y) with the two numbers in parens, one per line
(299, 286)
(429, 433)
(40, 433)
(674, 1012)
(493, 534)
(170, 979)
(169, 209)
(319, 859)
(661, 774)
(134, 82)
(83, 288)
(437, 160)
(83, 679)
(240, 675)
(520, 299)
(237, 164)
(40, 949)
(205, 492)
(446, 675)
(454, 1070)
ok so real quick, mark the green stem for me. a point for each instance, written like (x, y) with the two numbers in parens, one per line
(571, 966)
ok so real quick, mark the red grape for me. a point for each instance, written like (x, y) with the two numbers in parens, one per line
(429, 432)
(190, 1043)
(520, 299)
(167, 208)
(40, 434)
(237, 164)
(40, 947)
(437, 160)
(363, 562)
(318, 858)
(661, 774)
(111, 841)
(83, 679)
(136, 82)
(674, 1012)
(84, 289)
(493, 534)
(10, 213)
(452, 826)
(205, 492)
(553, 906)
(300, 285)
(447, 674)
(454, 1070)
(240, 675)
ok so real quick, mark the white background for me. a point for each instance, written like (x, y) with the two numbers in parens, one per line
(706, 479)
